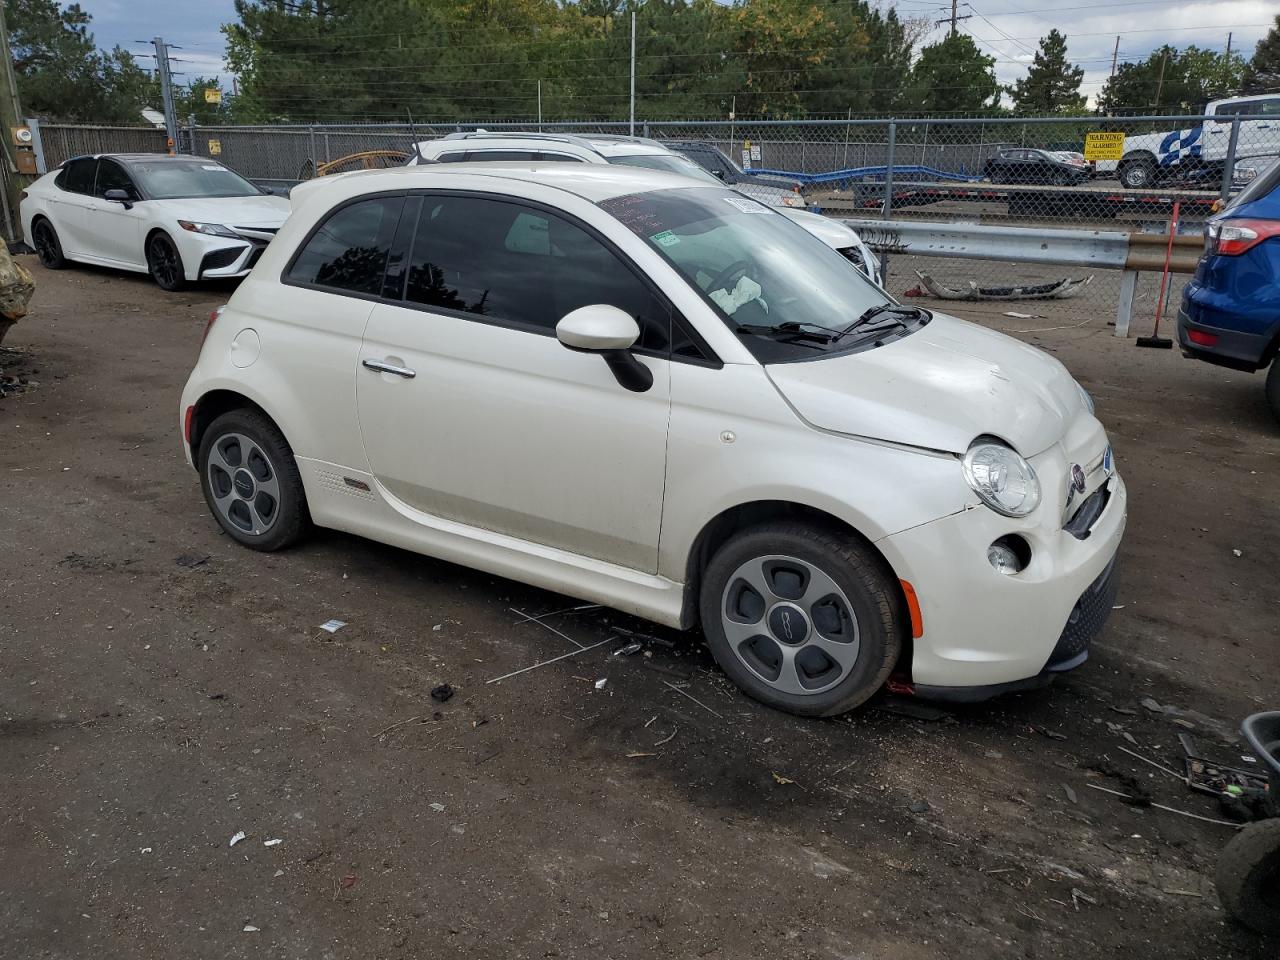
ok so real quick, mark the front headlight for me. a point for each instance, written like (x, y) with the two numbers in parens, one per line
(1084, 395)
(211, 229)
(1002, 478)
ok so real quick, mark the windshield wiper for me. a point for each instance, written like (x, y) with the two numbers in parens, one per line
(895, 314)
(793, 331)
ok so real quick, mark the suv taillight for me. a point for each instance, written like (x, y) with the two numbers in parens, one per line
(1230, 238)
(209, 326)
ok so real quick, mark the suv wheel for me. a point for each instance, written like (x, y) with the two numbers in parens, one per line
(251, 482)
(802, 618)
(1273, 387)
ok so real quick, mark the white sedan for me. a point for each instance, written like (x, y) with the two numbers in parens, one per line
(176, 218)
(663, 396)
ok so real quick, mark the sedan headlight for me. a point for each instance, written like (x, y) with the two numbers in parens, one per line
(211, 229)
(1084, 395)
(1002, 478)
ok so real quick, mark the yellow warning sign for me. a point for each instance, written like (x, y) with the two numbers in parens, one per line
(1104, 146)
(215, 148)
(212, 95)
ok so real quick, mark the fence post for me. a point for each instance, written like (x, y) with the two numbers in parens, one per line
(888, 171)
(645, 128)
(311, 136)
(1229, 171)
(1124, 307)
(37, 144)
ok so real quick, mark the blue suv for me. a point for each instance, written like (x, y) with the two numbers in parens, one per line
(1230, 311)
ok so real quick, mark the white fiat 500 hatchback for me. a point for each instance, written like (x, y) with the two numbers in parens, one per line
(662, 396)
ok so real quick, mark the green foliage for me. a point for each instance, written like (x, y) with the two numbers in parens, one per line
(486, 59)
(61, 73)
(953, 76)
(1172, 81)
(1052, 84)
(1262, 75)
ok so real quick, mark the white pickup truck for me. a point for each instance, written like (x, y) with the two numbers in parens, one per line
(1201, 149)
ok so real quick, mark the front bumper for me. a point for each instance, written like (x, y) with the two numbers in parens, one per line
(984, 632)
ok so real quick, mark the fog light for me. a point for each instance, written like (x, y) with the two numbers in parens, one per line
(1009, 555)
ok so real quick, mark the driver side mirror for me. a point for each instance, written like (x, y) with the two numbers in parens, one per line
(119, 196)
(610, 332)
(718, 173)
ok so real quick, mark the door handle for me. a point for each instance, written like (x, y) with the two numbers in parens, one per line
(383, 367)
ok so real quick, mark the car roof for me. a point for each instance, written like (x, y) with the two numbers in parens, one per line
(593, 182)
(599, 144)
(184, 157)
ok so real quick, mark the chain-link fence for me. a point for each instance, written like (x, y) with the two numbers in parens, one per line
(1099, 172)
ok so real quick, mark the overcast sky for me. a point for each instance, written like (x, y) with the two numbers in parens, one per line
(1006, 29)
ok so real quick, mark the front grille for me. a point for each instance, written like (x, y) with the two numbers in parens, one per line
(1088, 617)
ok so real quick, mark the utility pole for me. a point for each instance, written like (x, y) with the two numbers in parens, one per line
(166, 92)
(633, 73)
(1229, 34)
(1115, 55)
(955, 17)
(1160, 82)
(10, 117)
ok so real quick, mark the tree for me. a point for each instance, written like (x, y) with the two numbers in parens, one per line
(1262, 75)
(1052, 84)
(1172, 81)
(953, 76)
(61, 73)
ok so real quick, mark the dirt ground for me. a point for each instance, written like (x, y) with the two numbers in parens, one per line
(163, 689)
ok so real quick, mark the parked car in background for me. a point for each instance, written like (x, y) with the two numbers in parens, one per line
(665, 397)
(176, 218)
(1230, 313)
(713, 159)
(1025, 165)
(473, 147)
(645, 154)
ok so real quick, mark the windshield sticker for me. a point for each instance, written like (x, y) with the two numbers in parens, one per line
(747, 205)
(665, 239)
(209, 166)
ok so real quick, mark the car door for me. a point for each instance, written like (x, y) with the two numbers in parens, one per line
(1260, 130)
(69, 204)
(472, 411)
(114, 231)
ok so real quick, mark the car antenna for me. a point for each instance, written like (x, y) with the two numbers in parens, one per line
(414, 134)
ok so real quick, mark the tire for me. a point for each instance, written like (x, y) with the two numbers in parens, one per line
(1273, 387)
(47, 245)
(1248, 876)
(251, 481)
(762, 594)
(1137, 174)
(164, 263)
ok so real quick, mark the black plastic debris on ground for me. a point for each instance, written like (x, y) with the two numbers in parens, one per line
(442, 693)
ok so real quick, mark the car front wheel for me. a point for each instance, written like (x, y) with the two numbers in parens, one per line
(801, 617)
(251, 481)
(164, 263)
(1137, 174)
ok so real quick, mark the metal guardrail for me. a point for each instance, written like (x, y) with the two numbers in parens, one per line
(1131, 253)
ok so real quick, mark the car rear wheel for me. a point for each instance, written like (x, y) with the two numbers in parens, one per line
(1248, 876)
(251, 481)
(1137, 174)
(165, 263)
(1273, 387)
(48, 248)
(801, 617)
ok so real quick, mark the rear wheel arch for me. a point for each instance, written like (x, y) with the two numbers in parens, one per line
(717, 531)
(215, 403)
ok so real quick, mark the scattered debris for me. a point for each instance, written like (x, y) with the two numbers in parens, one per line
(190, 560)
(1160, 806)
(437, 807)
(146, 849)
(1183, 893)
(1071, 794)
(637, 753)
(1051, 734)
(1141, 795)
(667, 739)
(1126, 711)
(278, 873)
(1077, 895)
(1158, 766)
(563, 656)
(693, 698)
(398, 723)
(271, 843)
(1154, 706)
(333, 626)
(442, 693)
(631, 648)
(526, 618)
(237, 838)
(651, 721)
(1130, 737)
(1237, 553)
(781, 780)
(249, 928)
(1056, 290)
(919, 806)
(600, 684)
(348, 881)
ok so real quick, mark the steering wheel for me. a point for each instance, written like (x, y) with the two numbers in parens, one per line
(733, 272)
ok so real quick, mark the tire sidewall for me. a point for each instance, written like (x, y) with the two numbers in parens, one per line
(168, 241)
(58, 261)
(877, 643)
(292, 513)
(1273, 388)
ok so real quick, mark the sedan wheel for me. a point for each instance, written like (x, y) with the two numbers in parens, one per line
(45, 239)
(164, 263)
(251, 481)
(801, 617)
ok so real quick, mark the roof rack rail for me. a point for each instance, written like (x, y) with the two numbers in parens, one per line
(519, 135)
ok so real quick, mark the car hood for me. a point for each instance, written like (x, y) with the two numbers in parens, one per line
(252, 211)
(938, 388)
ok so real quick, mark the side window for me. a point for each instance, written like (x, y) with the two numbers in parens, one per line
(560, 157)
(112, 176)
(500, 259)
(349, 251)
(78, 176)
(503, 156)
(458, 156)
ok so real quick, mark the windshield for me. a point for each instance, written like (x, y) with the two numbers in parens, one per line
(769, 279)
(174, 179)
(672, 164)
